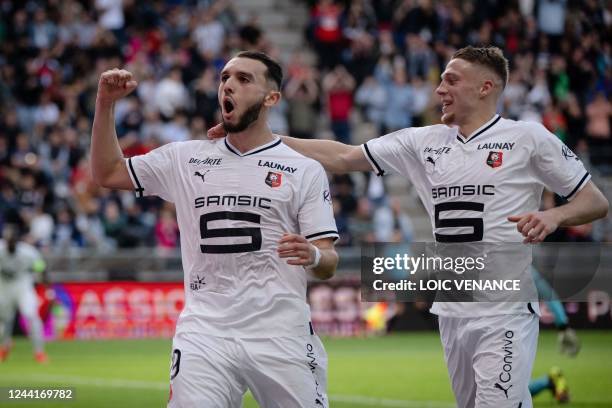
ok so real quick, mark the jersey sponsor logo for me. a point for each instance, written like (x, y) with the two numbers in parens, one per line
(327, 197)
(495, 159)
(197, 283)
(496, 146)
(464, 190)
(274, 179)
(233, 200)
(505, 376)
(276, 166)
(568, 154)
(209, 161)
(311, 356)
(201, 175)
(438, 151)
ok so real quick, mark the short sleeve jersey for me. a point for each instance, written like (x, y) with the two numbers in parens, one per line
(470, 186)
(232, 209)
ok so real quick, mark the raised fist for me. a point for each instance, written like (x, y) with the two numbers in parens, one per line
(114, 84)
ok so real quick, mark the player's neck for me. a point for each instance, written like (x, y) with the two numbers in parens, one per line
(474, 122)
(256, 135)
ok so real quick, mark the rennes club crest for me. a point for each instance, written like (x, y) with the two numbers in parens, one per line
(495, 159)
(274, 179)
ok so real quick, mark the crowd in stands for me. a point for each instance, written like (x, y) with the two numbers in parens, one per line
(379, 61)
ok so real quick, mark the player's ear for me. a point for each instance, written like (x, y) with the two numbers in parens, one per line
(487, 87)
(272, 98)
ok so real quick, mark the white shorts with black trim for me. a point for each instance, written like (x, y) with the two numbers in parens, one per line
(215, 372)
(490, 358)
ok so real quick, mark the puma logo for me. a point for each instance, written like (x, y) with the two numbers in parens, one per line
(505, 390)
(197, 173)
(430, 160)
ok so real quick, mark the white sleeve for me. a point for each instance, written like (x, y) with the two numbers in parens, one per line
(390, 153)
(154, 173)
(316, 214)
(556, 166)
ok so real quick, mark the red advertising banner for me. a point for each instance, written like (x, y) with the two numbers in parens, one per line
(120, 310)
(105, 310)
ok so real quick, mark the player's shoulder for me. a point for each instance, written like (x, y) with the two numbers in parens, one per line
(192, 145)
(525, 129)
(425, 134)
(186, 148)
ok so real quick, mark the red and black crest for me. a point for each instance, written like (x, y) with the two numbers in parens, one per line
(274, 179)
(495, 159)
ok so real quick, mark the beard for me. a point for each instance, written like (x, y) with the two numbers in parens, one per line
(246, 120)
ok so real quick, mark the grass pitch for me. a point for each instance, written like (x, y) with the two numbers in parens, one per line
(395, 371)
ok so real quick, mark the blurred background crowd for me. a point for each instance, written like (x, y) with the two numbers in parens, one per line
(361, 69)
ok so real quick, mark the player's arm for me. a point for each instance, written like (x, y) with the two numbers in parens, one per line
(107, 162)
(300, 251)
(588, 205)
(335, 157)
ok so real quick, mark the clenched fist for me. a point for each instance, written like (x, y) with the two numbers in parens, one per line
(115, 84)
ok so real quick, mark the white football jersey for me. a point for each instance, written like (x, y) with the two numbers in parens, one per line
(232, 210)
(20, 265)
(470, 186)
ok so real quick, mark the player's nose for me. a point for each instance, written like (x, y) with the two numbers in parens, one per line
(440, 90)
(227, 89)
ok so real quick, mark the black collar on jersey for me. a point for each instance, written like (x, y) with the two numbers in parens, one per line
(265, 147)
(459, 138)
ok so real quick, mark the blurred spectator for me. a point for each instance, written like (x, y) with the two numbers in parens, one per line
(338, 86)
(277, 118)
(208, 34)
(42, 227)
(166, 232)
(66, 235)
(372, 96)
(111, 16)
(575, 123)
(171, 94)
(514, 95)
(423, 92)
(175, 130)
(302, 93)
(361, 223)
(598, 116)
(326, 32)
(204, 95)
(419, 56)
(554, 120)
(392, 224)
(400, 102)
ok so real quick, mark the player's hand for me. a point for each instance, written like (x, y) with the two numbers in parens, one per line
(114, 84)
(216, 131)
(568, 342)
(535, 226)
(297, 248)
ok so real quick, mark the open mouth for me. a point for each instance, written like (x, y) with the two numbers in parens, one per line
(228, 106)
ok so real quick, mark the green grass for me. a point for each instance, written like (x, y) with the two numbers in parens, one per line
(402, 370)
